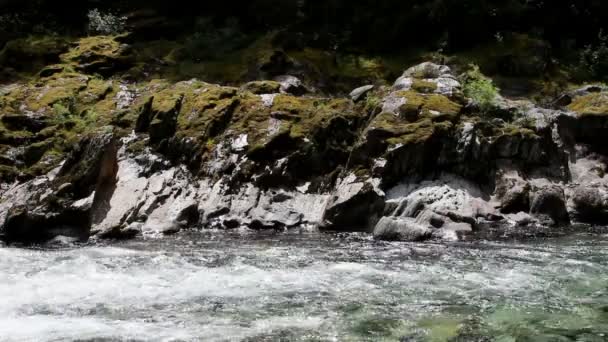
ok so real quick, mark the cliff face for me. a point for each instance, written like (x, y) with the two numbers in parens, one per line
(88, 149)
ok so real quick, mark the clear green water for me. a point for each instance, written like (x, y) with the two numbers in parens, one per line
(306, 287)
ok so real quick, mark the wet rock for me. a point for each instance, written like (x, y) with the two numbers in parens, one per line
(513, 194)
(449, 203)
(589, 204)
(355, 205)
(549, 201)
(521, 219)
(231, 223)
(34, 212)
(401, 229)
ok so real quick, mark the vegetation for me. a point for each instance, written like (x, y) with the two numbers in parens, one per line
(479, 88)
(107, 24)
(594, 58)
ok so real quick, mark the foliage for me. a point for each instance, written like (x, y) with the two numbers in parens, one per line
(479, 88)
(211, 41)
(594, 58)
(105, 23)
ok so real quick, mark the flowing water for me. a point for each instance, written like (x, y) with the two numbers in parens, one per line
(305, 286)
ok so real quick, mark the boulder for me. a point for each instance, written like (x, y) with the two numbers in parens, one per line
(401, 229)
(589, 204)
(513, 194)
(99, 54)
(549, 201)
(263, 87)
(46, 207)
(427, 70)
(428, 78)
(360, 93)
(355, 205)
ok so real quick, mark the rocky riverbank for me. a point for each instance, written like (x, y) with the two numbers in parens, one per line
(88, 154)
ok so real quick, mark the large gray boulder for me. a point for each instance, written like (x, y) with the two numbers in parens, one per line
(549, 201)
(589, 204)
(513, 193)
(401, 229)
(355, 205)
(60, 203)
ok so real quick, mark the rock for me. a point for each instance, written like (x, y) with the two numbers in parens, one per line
(522, 219)
(99, 54)
(263, 87)
(449, 199)
(513, 194)
(400, 229)
(355, 205)
(360, 93)
(566, 98)
(589, 204)
(549, 200)
(34, 213)
(38, 51)
(31, 122)
(393, 103)
(40, 224)
(92, 163)
(291, 85)
(64, 189)
(231, 223)
(403, 83)
(427, 70)
(51, 70)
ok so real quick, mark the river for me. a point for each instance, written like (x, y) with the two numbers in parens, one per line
(306, 286)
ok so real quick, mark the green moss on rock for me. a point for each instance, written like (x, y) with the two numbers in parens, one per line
(262, 87)
(423, 86)
(592, 104)
(37, 51)
(434, 106)
(99, 54)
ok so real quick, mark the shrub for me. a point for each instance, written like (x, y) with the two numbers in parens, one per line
(479, 88)
(594, 58)
(211, 41)
(105, 23)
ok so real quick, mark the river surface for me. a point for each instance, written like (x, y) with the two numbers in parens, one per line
(306, 286)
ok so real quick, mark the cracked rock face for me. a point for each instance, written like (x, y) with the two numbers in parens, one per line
(411, 162)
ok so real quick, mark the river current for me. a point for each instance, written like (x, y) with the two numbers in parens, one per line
(306, 286)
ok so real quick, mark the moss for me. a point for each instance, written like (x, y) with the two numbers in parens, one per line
(99, 54)
(137, 147)
(262, 87)
(441, 104)
(205, 110)
(38, 51)
(395, 131)
(423, 86)
(427, 105)
(61, 88)
(592, 104)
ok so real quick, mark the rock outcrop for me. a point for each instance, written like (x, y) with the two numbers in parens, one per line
(85, 156)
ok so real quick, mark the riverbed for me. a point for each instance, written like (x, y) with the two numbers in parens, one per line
(306, 286)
